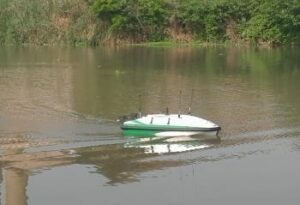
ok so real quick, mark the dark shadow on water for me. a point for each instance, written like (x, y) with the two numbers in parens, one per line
(121, 163)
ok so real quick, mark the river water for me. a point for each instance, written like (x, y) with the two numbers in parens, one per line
(60, 142)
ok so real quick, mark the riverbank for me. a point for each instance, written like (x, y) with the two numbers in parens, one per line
(98, 22)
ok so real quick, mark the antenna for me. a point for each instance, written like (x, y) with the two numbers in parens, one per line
(190, 107)
(179, 112)
(140, 105)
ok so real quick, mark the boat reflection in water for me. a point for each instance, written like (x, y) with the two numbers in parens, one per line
(168, 142)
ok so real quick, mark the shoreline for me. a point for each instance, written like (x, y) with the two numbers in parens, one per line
(167, 44)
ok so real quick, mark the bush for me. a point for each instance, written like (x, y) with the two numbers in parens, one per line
(46, 22)
(274, 21)
(136, 19)
(92, 21)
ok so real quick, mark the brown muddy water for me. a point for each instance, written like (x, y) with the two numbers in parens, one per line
(60, 142)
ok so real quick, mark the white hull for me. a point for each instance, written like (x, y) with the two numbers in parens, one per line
(171, 123)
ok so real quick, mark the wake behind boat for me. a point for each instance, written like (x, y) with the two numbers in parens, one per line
(168, 125)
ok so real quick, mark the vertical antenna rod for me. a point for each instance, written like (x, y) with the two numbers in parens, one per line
(179, 112)
(140, 106)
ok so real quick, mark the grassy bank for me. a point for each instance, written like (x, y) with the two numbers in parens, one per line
(42, 22)
(201, 22)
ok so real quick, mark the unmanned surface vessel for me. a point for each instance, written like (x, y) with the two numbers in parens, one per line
(168, 125)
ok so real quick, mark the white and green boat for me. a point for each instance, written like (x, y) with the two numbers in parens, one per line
(168, 125)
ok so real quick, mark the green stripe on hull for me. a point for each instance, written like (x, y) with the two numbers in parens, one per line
(137, 125)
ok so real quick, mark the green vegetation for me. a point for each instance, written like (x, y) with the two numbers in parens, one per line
(42, 22)
(139, 20)
(92, 22)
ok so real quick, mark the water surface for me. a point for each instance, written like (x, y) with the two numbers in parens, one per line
(60, 142)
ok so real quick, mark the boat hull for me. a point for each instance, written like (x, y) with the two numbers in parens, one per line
(153, 133)
(170, 128)
(168, 125)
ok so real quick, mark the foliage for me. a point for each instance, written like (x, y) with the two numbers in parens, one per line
(274, 21)
(94, 21)
(46, 22)
(137, 19)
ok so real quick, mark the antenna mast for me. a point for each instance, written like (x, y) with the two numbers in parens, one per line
(140, 106)
(179, 112)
